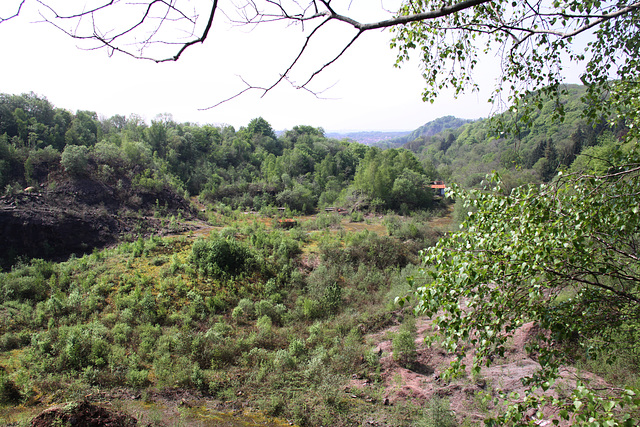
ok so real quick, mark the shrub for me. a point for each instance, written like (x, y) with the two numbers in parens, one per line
(244, 311)
(332, 298)
(311, 309)
(9, 392)
(40, 162)
(24, 288)
(218, 256)
(297, 347)
(137, 377)
(356, 216)
(404, 344)
(264, 325)
(284, 360)
(437, 414)
(11, 341)
(75, 159)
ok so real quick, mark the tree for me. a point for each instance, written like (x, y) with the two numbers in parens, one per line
(83, 130)
(534, 40)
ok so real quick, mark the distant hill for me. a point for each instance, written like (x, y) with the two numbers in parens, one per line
(428, 129)
(466, 154)
(400, 138)
(367, 137)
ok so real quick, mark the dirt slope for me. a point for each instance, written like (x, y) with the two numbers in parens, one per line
(472, 398)
(75, 216)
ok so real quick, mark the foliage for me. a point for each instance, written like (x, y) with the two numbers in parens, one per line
(539, 43)
(251, 168)
(518, 253)
(74, 159)
(437, 414)
(218, 256)
(553, 253)
(404, 343)
(395, 177)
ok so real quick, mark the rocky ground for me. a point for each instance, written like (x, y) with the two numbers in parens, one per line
(472, 398)
(83, 414)
(76, 216)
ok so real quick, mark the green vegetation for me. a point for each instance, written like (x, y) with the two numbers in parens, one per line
(279, 313)
(281, 316)
(556, 246)
(530, 155)
(251, 168)
(235, 316)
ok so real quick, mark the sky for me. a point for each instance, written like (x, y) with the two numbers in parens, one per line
(363, 91)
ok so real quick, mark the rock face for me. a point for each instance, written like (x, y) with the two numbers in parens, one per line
(77, 216)
(82, 414)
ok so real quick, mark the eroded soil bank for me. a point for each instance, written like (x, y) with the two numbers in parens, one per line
(76, 216)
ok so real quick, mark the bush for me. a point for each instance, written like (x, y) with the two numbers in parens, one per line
(9, 392)
(218, 256)
(311, 309)
(437, 414)
(137, 377)
(24, 288)
(404, 344)
(267, 308)
(39, 163)
(244, 311)
(264, 325)
(369, 248)
(332, 298)
(75, 159)
(297, 347)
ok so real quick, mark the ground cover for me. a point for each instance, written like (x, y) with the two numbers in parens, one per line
(241, 321)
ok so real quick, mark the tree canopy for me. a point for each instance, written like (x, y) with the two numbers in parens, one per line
(551, 253)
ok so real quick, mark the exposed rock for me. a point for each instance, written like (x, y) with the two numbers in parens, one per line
(76, 216)
(82, 414)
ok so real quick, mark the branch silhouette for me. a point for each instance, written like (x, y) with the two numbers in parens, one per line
(153, 24)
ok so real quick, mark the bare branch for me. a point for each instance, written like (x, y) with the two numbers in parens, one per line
(77, 15)
(232, 97)
(295, 61)
(515, 33)
(200, 39)
(15, 14)
(579, 279)
(318, 71)
(407, 19)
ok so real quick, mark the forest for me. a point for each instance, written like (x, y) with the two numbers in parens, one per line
(200, 300)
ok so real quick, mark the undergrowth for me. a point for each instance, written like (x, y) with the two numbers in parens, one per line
(240, 315)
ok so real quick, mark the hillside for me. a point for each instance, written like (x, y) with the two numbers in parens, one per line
(427, 130)
(116, 174)
(171, 273)
(467, 154)
(366, 137)
(75, 216)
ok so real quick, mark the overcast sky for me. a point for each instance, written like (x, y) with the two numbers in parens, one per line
(365, 91)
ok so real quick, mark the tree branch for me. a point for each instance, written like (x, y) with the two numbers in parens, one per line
(15, 14)
(592, 283)
(520, 28)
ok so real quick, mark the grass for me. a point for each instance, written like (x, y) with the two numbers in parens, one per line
(143, 315)
(284, 335)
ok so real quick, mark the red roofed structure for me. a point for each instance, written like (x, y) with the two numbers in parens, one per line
(438, 188)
